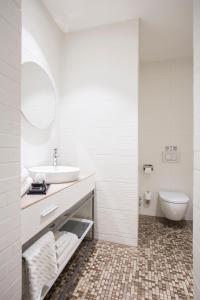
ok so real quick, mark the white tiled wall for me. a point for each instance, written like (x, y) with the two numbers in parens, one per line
(196, 191)
(99, 122)
(165, 118)
(10, 246)
(41, 43)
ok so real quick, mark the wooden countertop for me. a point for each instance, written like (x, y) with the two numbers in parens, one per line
(28, 200)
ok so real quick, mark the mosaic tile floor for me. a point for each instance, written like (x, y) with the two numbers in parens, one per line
(160, 268)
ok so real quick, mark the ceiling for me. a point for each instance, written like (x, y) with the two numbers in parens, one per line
(166, 25)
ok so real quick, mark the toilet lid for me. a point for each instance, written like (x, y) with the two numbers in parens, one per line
(174, 197)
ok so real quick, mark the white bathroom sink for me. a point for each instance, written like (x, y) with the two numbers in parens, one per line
(57, 174)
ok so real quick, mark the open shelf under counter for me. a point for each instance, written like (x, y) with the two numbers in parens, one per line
(77, 223)
(89, 223)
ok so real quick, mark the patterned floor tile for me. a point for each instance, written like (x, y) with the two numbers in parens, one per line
(160, 268)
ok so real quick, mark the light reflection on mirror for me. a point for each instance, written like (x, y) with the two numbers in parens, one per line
(38, 96)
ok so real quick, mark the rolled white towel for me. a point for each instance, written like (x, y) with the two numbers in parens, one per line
(26, 185)
(62, 237)
(63, 248)
(24, 174)
(65, 256)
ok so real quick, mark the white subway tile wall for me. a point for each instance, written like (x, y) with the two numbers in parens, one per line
(196, 191)
(10, 62)
(99, 122)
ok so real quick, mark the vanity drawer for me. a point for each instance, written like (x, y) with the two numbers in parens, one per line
(36, 217)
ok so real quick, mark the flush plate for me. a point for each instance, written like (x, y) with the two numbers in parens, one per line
(170, 157)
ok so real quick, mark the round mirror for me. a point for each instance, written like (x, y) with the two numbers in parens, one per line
(38, 96)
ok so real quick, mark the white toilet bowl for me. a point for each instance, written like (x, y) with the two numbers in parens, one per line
(173, 205)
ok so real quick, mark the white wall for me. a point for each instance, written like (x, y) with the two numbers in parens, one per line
(41, 43)
(196, 190)
(99, 122)
(165, 118)
(10, 245)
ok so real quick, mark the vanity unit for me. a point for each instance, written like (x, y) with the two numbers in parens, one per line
(50, 212)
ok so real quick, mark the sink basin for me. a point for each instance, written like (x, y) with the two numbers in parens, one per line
(58, 174)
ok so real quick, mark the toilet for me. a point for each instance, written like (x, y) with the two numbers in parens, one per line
(173, 204)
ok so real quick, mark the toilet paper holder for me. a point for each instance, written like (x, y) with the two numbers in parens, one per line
(148, 166)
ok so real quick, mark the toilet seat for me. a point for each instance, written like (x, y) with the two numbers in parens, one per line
(174, 197)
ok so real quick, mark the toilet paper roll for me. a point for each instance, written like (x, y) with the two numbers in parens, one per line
(147, 170)
(147, 196)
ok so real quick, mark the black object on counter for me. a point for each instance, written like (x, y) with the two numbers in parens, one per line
(38, 188)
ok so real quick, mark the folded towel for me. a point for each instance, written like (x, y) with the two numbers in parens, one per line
(61, 249)
(64, 247)
(63, 236)
(66, 254)
(41, 263)
(24, 174)
(26, 185)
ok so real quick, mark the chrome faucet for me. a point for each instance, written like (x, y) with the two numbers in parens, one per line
(55, 157)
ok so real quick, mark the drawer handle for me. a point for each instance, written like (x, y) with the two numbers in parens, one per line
(48, 211)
